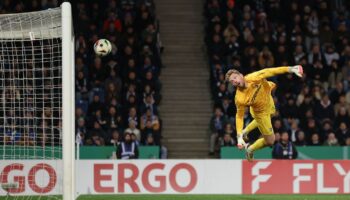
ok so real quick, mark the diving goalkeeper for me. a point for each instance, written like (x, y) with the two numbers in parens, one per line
(254, 91)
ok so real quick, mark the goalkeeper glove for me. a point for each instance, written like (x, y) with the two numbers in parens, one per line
(297, 70)
(240, 142)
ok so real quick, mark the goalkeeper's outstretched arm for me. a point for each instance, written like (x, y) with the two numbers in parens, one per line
(269, 72)
(239, 118)
(239, 126)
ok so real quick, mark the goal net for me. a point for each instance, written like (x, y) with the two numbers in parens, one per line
(36, 104)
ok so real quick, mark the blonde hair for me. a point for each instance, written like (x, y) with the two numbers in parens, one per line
(229, 73)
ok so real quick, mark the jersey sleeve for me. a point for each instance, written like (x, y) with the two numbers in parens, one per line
(268, 72)
(239, 118)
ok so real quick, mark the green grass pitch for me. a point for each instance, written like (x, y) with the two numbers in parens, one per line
(188, 197)
(215, 197)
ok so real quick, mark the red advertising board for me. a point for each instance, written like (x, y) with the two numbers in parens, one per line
(30, 177)
(294, 177)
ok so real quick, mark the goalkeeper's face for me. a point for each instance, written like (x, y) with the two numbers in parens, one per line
(237, 80)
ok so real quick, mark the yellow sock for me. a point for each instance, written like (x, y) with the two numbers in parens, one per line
(258, 144)
(251, 126)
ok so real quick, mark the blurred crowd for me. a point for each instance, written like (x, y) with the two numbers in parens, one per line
(117, 95)
(252, 35)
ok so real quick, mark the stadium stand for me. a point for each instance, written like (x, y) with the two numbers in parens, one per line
(252, 35)
(122, 90)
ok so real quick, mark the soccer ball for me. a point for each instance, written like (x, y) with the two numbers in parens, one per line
(102, 47)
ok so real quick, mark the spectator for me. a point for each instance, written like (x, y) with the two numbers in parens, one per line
(229, 130)
(132, 115)
(114, 119)
(336, 93)
(112, 22)
(266, 58)
(231, 48)
(278, 126)
(342, 133)
(134, 130)
(326, 34)
(324, 109)
(151, 128)
(312, 28)
(229, 32)
(152, 81)
(97, 135)
(149, 103)
(98, 73)
(134, 139)
(315, 140)
(298, 54)
(284, 149)
(81, 86)
(331, 140)
(153, 119)
(331, 55)
(315, 55)
(335, 75)
(130, 103)
(282, 56)
(294, 131)
(318, 71)
(326, 129)
(301, 140)
(216, 47)
(221, 92)
(115, 138)
(341, 104)
(289, 110)
(247, 20)
(217, 123)
(311, 127)
(95, 105)
(111, 92)
(81, 130)
(127, 149)
(149, 67)
(148, 90)
(79, 113)
(277, 137)
(228, 108)
(227, 141)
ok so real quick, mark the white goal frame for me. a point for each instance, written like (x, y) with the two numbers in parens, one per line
(32, 31)
(68, 105)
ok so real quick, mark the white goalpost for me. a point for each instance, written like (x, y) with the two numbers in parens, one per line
(37, 133)
(68, 103)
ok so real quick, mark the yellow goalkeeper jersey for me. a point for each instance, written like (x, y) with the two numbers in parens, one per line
(256, 93)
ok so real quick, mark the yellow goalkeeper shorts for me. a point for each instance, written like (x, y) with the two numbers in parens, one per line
(264, 119)
(264, 124)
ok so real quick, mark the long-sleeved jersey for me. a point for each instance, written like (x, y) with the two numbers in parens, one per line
(256, 93)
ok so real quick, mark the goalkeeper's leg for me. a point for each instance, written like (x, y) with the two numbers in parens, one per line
(242, 138)
(268, 139)
(251, 126)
